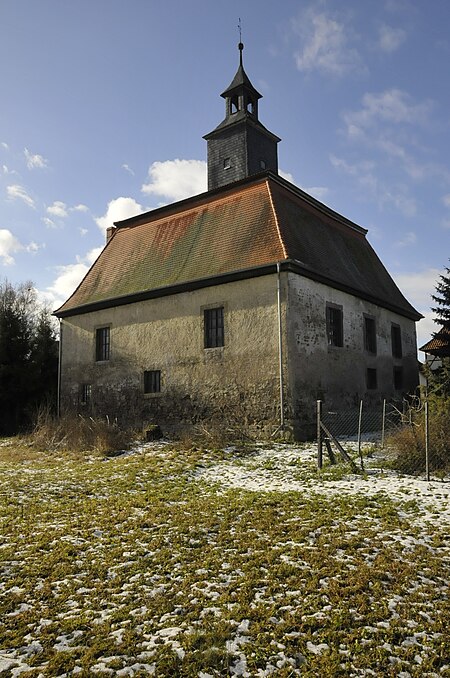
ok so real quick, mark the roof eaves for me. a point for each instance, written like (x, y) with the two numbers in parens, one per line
(276, 219)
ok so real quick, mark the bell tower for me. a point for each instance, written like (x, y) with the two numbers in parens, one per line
(240, 146)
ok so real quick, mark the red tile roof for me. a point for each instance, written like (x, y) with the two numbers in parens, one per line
(253, 223)
(439, 345)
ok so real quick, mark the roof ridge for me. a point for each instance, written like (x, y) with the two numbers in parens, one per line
(277, 224)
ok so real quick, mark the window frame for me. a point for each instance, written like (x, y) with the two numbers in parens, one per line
(103, 344)
(335, 339)
(214, 327)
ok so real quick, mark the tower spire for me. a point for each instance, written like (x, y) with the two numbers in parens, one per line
(240, 146)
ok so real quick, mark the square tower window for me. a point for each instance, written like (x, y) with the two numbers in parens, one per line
(227, 163)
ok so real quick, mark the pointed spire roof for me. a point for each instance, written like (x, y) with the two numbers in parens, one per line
(240, 80)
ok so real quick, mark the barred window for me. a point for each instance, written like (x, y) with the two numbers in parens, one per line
(371, 378)
(398, 378)
(370, 335)
(152, 381)
(213, 327)
(396, 338)
(86, 394)
(102, 344)
(335, 326)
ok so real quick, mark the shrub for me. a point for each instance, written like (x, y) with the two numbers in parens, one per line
(408, 443)
(79, 434)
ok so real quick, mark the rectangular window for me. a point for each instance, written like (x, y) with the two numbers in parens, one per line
(227, 163)
(152, 381)
(214, 330)
(102, 344)
(398, 378)
(370, 335)
(335, 328)
(86, 394)
(371, 378)
(396, 338)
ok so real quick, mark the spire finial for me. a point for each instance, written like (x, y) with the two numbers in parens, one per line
(241, 44)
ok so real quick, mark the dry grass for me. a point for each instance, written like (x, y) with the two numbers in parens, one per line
(409, 441)
(79, 434)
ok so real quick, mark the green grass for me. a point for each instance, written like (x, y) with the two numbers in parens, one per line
(135, 563)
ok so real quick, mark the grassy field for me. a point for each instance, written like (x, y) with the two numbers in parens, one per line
(172, 562)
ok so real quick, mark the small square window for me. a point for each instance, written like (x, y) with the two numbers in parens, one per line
(102, 344)
(396, 338)
(370, 335)
(152, 381)
(213, 327)
(227, 163)
(86, 394)
(371, 378)
(335, 329)
(398, 378)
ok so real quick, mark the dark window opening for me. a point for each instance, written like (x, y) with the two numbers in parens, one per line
(214, 330)
(102, 344)
(335, 328)
(396, 337)
(371, 378)
(227, 163)
(398, 378)
(86, 394)
(152, 381)
(370, 335)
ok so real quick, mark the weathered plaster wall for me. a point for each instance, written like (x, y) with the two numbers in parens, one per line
(239, 381)
(337, 375)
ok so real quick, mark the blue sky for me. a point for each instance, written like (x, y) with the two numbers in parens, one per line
(104, 104)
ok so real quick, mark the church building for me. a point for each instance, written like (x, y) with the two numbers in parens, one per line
(242, 305)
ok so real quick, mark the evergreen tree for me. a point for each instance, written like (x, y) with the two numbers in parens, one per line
(28, 357)
(442, 299)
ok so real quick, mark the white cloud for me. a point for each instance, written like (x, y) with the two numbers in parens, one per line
(4, 145)
(8, 246)
(128, 169)
(325, 44)
(319, 192)
(176, 179)
(68, 278)
(418, 288)
(446, 200)
(33, 247)
(34, 160)
(391, 38)
(58, 209)
(49, 223)
(17, 192)
(410, 238)
(117, 210)
(79, 208)
(391, 106)
(287, 175)
(6, 171)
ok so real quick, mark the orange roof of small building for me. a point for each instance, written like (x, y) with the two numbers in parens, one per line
(253, 223)
(439, 345)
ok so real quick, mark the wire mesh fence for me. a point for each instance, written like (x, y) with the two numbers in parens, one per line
(407, 436)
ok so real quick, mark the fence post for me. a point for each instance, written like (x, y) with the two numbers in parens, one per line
(359, 434)
(383, 423)
(319, 435)
(427, 432)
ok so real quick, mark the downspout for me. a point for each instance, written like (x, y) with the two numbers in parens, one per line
(280, 349)
(58, 395)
